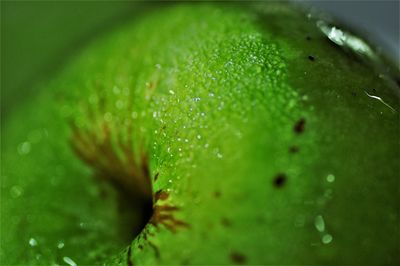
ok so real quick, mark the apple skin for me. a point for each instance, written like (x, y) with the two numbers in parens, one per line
(260, 136)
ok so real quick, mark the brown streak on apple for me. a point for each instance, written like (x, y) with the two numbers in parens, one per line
(161, 195)
(98, 147)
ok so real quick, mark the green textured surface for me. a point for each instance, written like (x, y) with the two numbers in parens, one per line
(214, 93)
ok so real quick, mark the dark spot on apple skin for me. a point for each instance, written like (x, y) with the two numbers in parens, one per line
(225, 222)
(299, 126)
(217, 194)
(294, 149)
(311, 58)
(279, 180)
(156, 176)
(129, 259)
(308, 38)
(237, 258)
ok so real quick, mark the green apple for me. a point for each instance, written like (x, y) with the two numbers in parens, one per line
(231, 134)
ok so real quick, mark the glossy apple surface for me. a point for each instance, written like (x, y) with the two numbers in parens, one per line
(262, 137)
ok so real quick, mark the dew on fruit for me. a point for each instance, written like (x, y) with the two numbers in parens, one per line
(16, 191)
(381, 100)
(326, 239)
(60, 245)
(107, 117)
(196, 99)
(32, 242)
(24, 148)
(319, 223)
(330, 178)
(116, 90)
(69, 261)
(119, 104)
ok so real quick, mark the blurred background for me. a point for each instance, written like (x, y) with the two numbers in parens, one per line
(38, 37)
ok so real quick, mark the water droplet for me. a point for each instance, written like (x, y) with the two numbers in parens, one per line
(24, 148)
(154, 114)
(16, 191)
(69, 261)
(108, 117)
(60, 245)
(330, 178)
(319, 223)
(158, 66)
(219, 155)
(32, 242)
(196, 99)
(198, 137)
(211, 94)
(119, 104)
(93, 99)
(327, 238)
(171, 92)
(116, 90)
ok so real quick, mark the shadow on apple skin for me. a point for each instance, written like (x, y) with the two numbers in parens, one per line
(258, 128)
